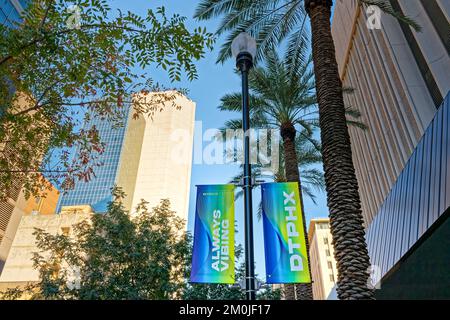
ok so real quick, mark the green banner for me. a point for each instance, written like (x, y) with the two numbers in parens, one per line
(284, 237)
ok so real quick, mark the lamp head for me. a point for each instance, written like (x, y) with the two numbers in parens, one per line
(243, 49)
(243, 43)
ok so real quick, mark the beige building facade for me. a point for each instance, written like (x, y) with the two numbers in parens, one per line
(19, 269)
(17, 206)
(400, 78)
(321, 255)
(164, 164)
(14, 203)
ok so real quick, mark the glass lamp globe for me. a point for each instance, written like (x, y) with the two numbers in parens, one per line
(243, 43)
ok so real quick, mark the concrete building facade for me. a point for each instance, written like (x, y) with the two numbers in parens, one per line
(165, 162)
(19, 269)
(401, 79)
(11, 208)
(321, 255)
(17, 206)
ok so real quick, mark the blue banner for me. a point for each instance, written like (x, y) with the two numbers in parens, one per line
(213, 254)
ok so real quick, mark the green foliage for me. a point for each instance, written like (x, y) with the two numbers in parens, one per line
(113, 256)
(270, 22)
(281, 91)
(308, 154)
(64, 64)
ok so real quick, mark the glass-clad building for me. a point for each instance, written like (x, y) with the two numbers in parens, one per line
(10, 11)
(97, 192)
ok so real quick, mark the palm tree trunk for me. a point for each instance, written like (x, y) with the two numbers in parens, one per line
(342, 187)
(303, 291)
(289, 291)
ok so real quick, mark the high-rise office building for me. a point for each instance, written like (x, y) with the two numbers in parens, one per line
(401, 79)
(321, 255)
(97, 192)
(164, 165)
(150, 158)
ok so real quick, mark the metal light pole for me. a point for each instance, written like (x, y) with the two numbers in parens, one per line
(244, 50)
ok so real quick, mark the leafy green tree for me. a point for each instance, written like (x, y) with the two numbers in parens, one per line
(197, 291)
(113, 256)
(69, 61)
(272, 22)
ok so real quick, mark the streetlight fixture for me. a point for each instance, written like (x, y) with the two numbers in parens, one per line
(243, 49)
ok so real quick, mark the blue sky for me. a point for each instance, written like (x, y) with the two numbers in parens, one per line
(213, 82)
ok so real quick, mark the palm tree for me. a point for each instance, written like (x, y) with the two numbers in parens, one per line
(271, 22)
(344, 202)
(282, 97)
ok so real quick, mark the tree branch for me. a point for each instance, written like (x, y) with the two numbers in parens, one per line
(45, 16)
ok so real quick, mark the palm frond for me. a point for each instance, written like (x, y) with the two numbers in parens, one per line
(356, 114)
(348, 90)
(259, 211)
(357, 124)
(297, 45)
(271, 22)
(208, 9)
(306, 190)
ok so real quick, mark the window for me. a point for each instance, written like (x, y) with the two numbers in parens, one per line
(330, 265)
(323, 225)
(325, 240)
(331, 278)
(65, 231)
(327, 252)
(56, 270)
